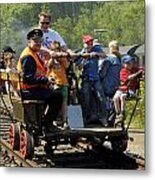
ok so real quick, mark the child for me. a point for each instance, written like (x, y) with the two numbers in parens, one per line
(128, 86)
(57, 66)
(10, 66)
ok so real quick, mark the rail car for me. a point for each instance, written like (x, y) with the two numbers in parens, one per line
(27, 126)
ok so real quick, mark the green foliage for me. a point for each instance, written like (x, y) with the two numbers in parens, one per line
(138, 120)
(123, 20)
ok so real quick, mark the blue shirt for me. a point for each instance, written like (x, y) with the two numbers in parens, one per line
(90, 65)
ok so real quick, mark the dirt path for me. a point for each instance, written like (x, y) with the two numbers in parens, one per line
(137, 146)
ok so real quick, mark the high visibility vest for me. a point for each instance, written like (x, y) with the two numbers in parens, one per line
(40, 69)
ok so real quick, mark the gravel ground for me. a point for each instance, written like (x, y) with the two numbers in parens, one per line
(137, 146)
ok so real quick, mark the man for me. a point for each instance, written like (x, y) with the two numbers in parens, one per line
(110, 69)
(91, 80)
(35, 83)
(49, 35)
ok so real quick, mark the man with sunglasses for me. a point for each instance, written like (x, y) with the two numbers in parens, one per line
(35, 84)
(49, 35)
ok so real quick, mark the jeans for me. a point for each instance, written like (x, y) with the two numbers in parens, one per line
(91, 89)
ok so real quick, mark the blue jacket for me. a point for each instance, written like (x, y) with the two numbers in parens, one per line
(110, 75)
(90, 65)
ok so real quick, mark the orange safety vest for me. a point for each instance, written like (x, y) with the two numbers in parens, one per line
(40, 69)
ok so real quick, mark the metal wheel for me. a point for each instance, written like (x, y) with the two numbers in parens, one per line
(14, 136)
(26, 145)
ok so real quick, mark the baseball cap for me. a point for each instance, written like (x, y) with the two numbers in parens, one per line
(8, 49)
(127, 59)
(87, 38)
(35, 33)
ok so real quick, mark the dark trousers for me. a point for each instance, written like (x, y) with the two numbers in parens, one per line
(52, 99)
(92, 101)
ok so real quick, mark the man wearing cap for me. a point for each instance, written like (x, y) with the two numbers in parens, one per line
(91, 80)
(127, 86)
(35, 83)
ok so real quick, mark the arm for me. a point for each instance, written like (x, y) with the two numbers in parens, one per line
(135, 75)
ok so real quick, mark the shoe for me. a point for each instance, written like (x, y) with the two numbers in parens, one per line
(104, 122)
(51, 129)
(119, 120)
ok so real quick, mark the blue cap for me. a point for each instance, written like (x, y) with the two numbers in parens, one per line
(127, 59)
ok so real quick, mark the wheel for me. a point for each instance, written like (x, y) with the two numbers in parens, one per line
(26, 145)
(119, 145)
(14, 136)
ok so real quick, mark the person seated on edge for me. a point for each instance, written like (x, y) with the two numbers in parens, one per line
(35, 84)
(10, 65)
(57, 71)
(128, 86)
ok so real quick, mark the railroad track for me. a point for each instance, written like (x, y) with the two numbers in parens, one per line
(14, 157)
(66, 156)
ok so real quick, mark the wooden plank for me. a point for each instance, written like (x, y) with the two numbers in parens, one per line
(18, 110)
(12, 75)
(87, 132)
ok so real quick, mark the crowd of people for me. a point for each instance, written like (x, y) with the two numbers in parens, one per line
(106, 79)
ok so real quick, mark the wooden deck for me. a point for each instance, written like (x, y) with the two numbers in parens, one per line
(87, 132)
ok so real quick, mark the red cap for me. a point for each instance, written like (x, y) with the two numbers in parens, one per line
(87, 38)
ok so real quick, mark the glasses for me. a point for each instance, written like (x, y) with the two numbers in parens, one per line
(47, 23)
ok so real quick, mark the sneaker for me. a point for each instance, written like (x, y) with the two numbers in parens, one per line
(119, 119)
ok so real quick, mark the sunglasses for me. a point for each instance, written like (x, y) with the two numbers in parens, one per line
(45, 23)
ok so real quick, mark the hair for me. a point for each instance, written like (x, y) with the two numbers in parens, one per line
(114, 48)
(44, 14)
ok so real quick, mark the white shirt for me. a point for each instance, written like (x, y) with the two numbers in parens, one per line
(50, 36)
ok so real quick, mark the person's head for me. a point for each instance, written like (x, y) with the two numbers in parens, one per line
(44, 21)
(87, 41)
(35, 38)
(113, 47)
(128, 61)
(55, 46)
(8, 52)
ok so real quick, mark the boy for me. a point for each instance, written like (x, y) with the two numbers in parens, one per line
(128, 86)
(57, 66)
